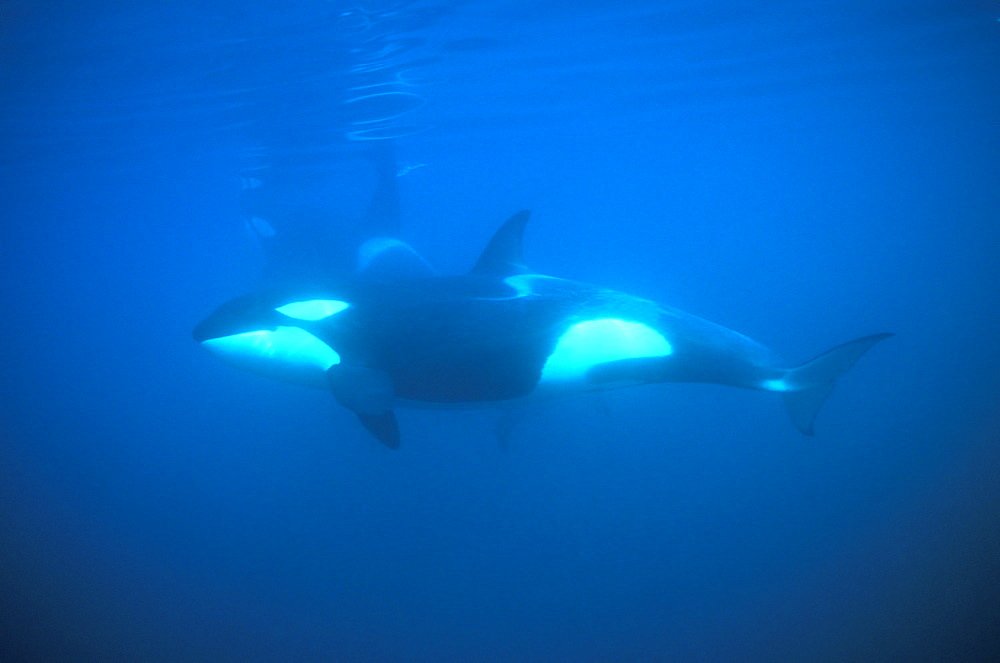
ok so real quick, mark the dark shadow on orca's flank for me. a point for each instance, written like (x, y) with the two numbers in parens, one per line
(398, 335)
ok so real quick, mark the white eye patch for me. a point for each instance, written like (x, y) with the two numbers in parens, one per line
(313, 309)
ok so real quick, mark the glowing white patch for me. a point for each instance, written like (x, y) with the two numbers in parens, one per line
(775, 385)
(260, 227)
(368, 251)
(286, 353)
(593, 342)
(522, 285)
(314, 309)
(392, 257)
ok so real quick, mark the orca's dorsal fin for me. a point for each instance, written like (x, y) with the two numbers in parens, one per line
(502, 256)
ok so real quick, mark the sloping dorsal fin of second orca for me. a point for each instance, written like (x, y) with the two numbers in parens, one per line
(503, 256)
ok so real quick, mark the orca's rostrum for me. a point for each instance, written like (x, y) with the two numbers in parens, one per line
(400, 335)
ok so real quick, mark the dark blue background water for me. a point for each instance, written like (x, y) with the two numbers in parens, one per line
(804, 172)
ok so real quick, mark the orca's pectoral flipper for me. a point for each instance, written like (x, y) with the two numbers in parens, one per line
(383, 426)
(368, 393)
(806, 387)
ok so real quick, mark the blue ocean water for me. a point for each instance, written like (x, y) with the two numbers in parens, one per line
(803, 172)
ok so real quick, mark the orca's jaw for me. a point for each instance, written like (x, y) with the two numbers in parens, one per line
(282, 347)
(290, 354)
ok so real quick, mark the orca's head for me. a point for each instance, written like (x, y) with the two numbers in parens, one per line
(273, 337)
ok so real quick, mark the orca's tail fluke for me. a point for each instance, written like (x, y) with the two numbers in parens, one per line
(806, 387)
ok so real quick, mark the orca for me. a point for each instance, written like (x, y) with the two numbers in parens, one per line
(399, 335)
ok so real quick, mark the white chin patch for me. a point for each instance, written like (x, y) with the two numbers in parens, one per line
(286, 353)
(587, 344)
(314, 309)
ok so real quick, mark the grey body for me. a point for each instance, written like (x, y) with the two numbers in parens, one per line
(497, 335)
